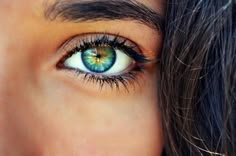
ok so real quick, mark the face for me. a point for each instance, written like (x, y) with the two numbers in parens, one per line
(79, 78)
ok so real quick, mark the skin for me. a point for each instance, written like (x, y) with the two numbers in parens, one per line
(45, 111)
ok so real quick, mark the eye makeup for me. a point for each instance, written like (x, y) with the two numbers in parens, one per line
(104, 59)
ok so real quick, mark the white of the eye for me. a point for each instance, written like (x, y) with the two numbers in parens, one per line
(75, 62)
(122, 63)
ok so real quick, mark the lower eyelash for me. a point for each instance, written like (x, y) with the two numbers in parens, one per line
(125, 80)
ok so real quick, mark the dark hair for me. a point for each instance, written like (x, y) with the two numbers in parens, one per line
(197, 86)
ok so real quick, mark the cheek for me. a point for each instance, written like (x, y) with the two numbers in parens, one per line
(96, 125)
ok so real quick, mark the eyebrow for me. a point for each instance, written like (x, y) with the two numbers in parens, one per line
(96, 10)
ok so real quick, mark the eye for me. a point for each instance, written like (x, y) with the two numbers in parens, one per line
(103, 60)
(107, 59)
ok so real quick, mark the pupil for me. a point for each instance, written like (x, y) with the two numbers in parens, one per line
(99, 59)
(99, 56)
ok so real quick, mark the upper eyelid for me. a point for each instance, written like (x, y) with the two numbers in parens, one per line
(74, 40)
(110, 38)
(96, 35)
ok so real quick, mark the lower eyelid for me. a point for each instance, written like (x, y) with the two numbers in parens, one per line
(128, 82)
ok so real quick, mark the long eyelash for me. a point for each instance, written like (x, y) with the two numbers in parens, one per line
(116, 42)
(105, 40)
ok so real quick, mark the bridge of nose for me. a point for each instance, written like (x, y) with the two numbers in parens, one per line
(19, 35)
(16, 26)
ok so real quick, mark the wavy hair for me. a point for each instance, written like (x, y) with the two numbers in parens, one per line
(197, 86)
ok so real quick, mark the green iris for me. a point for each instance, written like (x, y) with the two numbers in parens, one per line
(99, 59)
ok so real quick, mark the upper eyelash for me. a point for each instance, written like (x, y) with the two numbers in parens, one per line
(103, 39)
